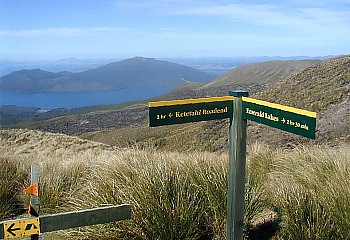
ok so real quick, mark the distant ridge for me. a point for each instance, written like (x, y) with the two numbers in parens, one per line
(129, 73)
(269, 72)
(30, 80)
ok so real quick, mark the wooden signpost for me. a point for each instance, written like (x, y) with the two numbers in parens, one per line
(236, 171)
(239, 108)
(60, 221)
(36, 224)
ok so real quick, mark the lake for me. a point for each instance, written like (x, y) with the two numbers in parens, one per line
(68, 100)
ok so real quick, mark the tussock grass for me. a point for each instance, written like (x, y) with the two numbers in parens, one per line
(169, 192)
(310, 188)
(12, 180)
(303, 192)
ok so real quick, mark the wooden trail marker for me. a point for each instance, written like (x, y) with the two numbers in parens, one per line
(40, 224)
(34, 205)
(239, 108)
(60, 221)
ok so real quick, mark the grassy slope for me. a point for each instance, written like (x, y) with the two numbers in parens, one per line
(269, 72)
(314, 88)
(183, 137)
(180, 195)
(323, 88)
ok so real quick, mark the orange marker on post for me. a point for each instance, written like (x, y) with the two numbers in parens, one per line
(33, 189)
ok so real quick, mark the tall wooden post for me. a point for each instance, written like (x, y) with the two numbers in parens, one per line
(236, 172)
(34, 206)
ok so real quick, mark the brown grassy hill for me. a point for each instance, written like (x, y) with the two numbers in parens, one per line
(323, 88)
(262, 73)
(31, 142)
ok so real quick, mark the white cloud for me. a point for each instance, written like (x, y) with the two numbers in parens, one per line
(61, 31)
(307, 20)
(171, 32)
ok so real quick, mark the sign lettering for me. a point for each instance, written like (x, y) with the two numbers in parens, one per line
(294, 120)
(189, 110)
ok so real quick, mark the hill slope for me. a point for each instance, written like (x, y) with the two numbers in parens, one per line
(269, 72)
(129, 73)
(30, 80)
(323, 88)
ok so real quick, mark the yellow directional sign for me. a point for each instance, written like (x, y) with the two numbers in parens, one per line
(189, 110)
(58, 221)
(23, 227)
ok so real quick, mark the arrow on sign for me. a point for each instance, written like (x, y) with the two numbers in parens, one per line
(11, 230)
(22, 227)
(29, 226)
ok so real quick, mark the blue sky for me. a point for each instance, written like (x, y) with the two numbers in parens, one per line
(49, 29)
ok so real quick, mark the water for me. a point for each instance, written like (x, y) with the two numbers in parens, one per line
(68, 100)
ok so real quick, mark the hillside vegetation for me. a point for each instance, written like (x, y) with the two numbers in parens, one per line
(323, 88)
(290, 194)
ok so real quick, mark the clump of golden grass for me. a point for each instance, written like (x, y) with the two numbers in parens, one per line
(12, 180)
(170, 193)
(310, 188)
(64, 161)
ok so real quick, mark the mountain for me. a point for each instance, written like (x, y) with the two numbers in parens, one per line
(129, 73)
(30, 80)
(269, 72)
